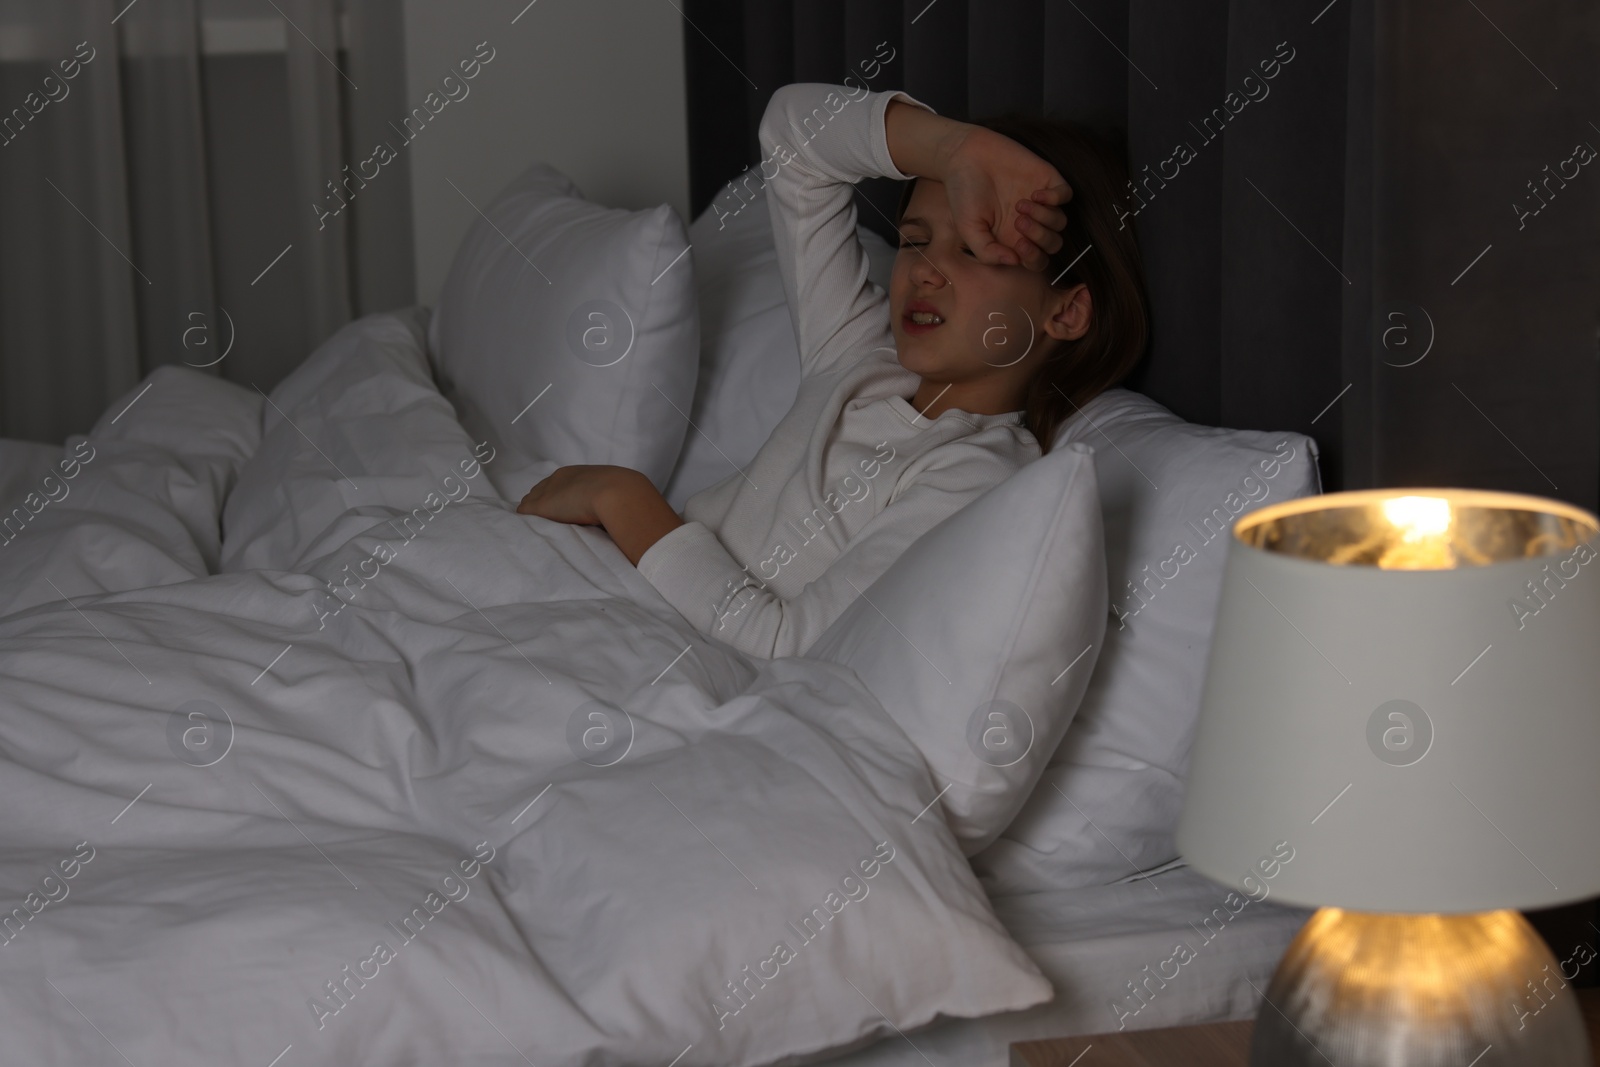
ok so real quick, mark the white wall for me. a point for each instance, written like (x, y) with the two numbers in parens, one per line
(593, 87)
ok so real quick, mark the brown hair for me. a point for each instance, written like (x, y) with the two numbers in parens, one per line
(1075, 372)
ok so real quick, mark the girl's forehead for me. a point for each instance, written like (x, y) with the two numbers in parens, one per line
(927, 197)
(928, 205)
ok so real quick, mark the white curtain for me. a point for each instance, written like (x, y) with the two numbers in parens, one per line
(69, 336)
(316, 84)
(111, 259)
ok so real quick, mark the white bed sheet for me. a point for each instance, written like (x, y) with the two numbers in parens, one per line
(1091, 942)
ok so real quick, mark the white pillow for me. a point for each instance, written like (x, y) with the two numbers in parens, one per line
(587, 313)
(749, 359)
(967, 638)
(1170, 490)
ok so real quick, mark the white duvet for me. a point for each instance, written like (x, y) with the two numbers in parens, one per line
(476, 795)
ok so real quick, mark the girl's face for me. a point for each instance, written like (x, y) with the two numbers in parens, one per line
(988, 321)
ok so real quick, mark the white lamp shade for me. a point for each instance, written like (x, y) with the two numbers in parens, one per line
(1480, 790)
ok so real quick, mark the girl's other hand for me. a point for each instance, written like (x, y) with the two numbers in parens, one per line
(1006, 200)
(625, 502)
(570, 494)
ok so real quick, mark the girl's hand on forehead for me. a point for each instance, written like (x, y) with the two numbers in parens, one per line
(1005, 200)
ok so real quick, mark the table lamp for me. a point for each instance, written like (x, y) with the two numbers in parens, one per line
(1403, 699)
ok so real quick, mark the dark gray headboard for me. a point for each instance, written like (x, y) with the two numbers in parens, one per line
(1335, 222)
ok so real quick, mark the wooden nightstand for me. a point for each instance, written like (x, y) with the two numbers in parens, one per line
(1211, 1045)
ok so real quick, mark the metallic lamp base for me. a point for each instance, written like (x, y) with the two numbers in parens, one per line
(1362, 990)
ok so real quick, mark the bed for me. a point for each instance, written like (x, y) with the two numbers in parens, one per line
(1109, 951)
(313, 751)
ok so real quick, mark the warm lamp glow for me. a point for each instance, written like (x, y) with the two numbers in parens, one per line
(1418, 516)
(1367, 988)
(1417, 530)
(1432, 951)
(1423, 523)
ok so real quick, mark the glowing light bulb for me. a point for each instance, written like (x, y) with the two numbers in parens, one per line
(1418, 516)
(1423, 523)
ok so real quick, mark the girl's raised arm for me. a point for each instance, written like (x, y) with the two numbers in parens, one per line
(821, 139)
(817, 141)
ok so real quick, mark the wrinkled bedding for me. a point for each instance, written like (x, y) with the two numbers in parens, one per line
(460, 790)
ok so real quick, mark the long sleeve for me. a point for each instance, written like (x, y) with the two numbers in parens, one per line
(821, 140)
(729, 601)
(769, 558)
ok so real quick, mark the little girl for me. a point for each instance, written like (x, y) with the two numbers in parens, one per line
(1001, 320)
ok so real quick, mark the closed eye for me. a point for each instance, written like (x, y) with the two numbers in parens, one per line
(906, 243)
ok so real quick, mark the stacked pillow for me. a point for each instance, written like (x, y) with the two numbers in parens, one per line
(1170, 491)
(979, 640)
(567, 331)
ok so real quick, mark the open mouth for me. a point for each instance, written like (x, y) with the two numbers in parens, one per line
(920, 321)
